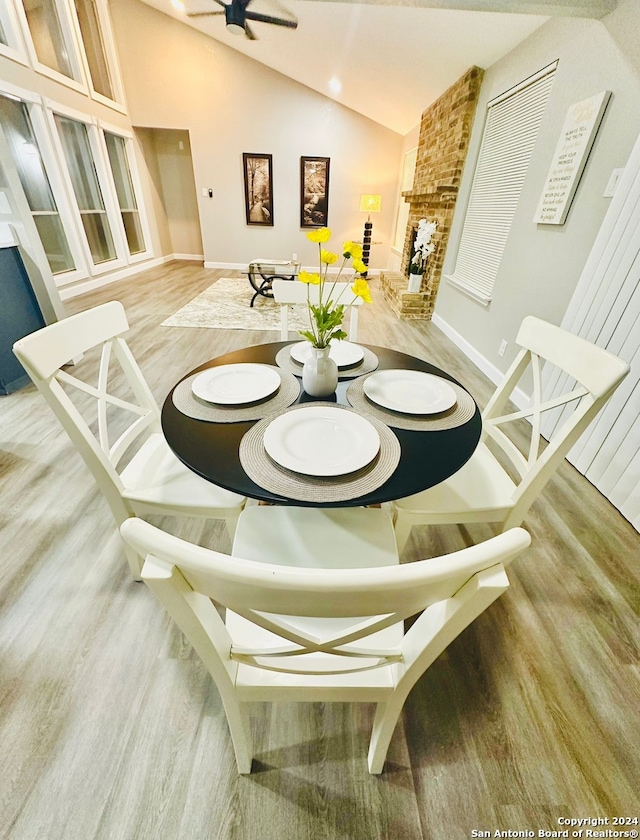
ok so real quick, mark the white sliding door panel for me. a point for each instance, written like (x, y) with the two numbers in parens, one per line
(626, 495)
(605, 309)
(611, 460)
(595, 451)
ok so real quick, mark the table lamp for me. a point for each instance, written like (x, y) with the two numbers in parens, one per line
(368, 204)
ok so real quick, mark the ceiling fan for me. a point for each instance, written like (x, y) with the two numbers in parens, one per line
(236, 16)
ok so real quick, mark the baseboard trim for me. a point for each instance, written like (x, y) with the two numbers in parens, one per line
(105, 279)
(518, 397)
(374, 272)
(228, 266)
(189, 257)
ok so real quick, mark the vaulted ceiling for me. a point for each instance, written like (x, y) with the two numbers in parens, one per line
(386, 59)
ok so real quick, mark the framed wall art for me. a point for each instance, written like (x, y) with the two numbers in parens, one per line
(258, 188)
(314, 191)
(575, 142)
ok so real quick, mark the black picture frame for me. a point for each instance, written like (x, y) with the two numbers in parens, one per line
(314, 192)
(258, 188)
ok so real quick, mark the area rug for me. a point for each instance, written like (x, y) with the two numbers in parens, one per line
(225, 306)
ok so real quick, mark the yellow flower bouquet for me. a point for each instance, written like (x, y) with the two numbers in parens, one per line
(325, 316)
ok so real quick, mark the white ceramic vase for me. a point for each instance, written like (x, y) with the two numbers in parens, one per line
(415, 281)
(319, 373)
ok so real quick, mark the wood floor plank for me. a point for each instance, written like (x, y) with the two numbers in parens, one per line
(112, 730)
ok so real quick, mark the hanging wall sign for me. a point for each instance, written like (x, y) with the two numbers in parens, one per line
(577, 136)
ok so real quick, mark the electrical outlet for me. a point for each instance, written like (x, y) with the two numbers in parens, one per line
(502, 348)
(295, 257)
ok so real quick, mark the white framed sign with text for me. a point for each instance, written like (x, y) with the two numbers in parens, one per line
(576, 138)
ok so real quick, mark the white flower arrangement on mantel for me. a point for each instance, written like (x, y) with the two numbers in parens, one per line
(422, 247)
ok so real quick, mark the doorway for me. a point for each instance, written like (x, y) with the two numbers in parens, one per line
(167, 154)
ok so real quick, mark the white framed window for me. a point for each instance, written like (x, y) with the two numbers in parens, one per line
(30, 147)
(52, 42)
(77, 141)
(127, 191)
(510, 131)
(96, 39)
(11, 43)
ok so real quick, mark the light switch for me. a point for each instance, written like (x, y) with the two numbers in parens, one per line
(613, 183)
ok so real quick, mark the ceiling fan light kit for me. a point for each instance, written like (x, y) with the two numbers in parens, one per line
(236, 16)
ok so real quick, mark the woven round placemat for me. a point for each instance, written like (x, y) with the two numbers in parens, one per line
(460, 413)
(185, 401)
(368, 364)
(306, 488)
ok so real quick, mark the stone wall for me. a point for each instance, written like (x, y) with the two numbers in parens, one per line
(445, 130)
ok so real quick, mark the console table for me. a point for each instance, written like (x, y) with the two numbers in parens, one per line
(262, 273)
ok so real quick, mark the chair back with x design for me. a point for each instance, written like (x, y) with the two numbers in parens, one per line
(108, 410)
(592, 375)
(294, 632)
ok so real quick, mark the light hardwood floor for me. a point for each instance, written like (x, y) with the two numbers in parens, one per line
(111, 729)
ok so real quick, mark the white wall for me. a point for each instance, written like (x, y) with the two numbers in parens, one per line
(542, 263)
(176, 77)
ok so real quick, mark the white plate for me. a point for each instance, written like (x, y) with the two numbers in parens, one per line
(321, 440)
(236, 384)
(410, 391)
(343, 353)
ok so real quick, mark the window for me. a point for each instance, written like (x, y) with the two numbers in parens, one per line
(10, 42)
(117, 151)
(49, 27)
(86, 187)
(510, 132)
(95, 48)
(31, 171)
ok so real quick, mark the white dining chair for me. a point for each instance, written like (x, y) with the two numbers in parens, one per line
(115, 423)
(290, 293)
(500, 488)
(315, 606)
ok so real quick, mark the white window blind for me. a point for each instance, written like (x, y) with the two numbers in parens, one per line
(511, 128)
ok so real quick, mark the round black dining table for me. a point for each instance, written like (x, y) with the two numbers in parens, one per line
(211, 449)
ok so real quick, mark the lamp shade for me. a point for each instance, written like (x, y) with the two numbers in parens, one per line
(370, 203)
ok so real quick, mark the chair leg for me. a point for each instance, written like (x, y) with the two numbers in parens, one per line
(284, 322)
(135, 562)
(232, 524)
(402, 527)
(384, 724)
(240, 730)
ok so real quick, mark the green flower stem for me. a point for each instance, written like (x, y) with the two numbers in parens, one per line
(326, 324)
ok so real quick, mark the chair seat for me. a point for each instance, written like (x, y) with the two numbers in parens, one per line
(480, 491)
(155, 478)
(315, 538)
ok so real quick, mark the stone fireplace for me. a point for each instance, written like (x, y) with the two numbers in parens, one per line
(445, 129)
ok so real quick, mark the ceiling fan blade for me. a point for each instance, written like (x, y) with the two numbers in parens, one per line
(249, 33)
(292, 24)
(203, 14)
